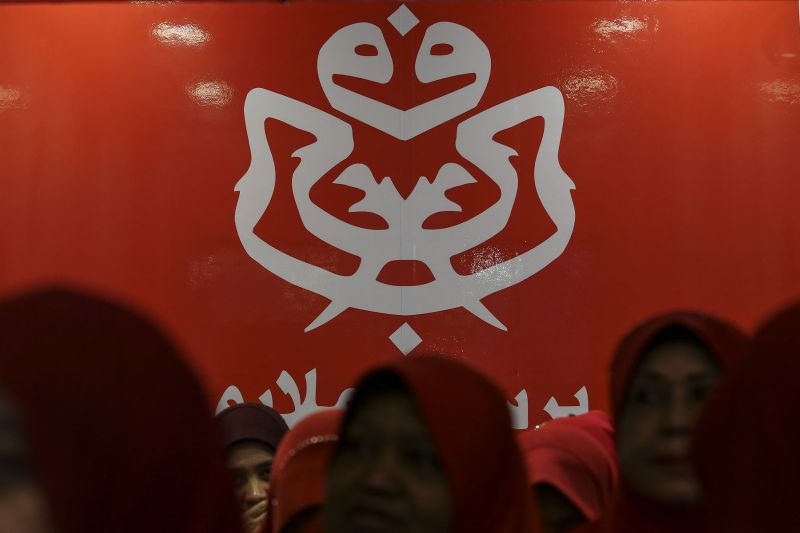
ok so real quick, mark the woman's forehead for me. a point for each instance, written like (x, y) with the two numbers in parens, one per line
(390, 413)
(677, 359)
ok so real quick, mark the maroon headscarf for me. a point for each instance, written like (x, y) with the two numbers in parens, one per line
(120, 434)
(297, 480)
(727, 345)
(251, 421)
(470, 423)
(724, 341)
(576, 455)
(746, 449)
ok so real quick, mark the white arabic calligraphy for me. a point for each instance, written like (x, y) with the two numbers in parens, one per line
(304, 406)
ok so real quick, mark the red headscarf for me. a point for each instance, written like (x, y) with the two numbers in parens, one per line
(297, 480)
(724, 341)
(470, 423)
(120, 434)
(726, 344)
(576, 455)
(746, 445)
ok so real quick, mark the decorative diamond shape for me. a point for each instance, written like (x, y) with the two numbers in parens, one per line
(403, 20)
(405, 339)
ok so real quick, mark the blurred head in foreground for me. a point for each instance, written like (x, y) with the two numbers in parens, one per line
(117, 428)
(663, 374)
(426, 446)
(297, 483)
(746, 452)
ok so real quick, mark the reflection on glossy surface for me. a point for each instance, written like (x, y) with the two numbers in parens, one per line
(210, 93)
(590, 87)
(180, 34)
(609, 29)
(781, 91)
(203, 270)
(492, 257)
(679, 117)
(10, 98)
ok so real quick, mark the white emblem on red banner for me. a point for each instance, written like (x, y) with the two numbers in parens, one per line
(305, 405)
(558, 411)
(405, 238)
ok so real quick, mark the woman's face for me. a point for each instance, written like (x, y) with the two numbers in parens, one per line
(386, 475)
(22, 504)
(665, 398)
(250, 463)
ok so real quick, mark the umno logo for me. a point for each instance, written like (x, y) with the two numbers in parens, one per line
(404, 238)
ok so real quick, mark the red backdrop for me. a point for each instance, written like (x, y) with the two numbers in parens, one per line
(122, 136)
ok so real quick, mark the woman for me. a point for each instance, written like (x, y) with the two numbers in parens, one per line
(662, 375)
(297, 482)
(746, 449)
(251, 434)
(426, 446)
(572, 469)
(118, 430)
(22, 502)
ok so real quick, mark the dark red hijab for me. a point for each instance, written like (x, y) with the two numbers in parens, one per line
(251, 421)
(727, 344)
(297, 480)
(120, 434)
(576, 455)
(471, 427)
(724, 341)
(746, 450)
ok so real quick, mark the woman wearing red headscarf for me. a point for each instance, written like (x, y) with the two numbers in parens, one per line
(746, 448)
(571, 465)
(427, 446)
(117, 430)
(662, 375)
(297, 482)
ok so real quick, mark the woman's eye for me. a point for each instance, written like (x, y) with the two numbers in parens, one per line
(701, 392)
(359, 448)
(425, 458)
(647, 397)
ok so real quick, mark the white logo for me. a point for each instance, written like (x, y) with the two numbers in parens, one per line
(303, 406)
(405, 238)
(307, 404)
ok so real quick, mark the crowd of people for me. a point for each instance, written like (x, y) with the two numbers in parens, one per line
(104, 428)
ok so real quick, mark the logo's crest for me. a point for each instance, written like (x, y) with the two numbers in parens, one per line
(405, 238)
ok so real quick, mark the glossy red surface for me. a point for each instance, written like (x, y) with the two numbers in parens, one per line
(122, 136)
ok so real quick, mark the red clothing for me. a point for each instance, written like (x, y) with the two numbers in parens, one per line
(723, 340)
(727, 345)
(468, 418)
(576, 455)
(297, 480)
(631, 515)
(119, 431)
(746, 446)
